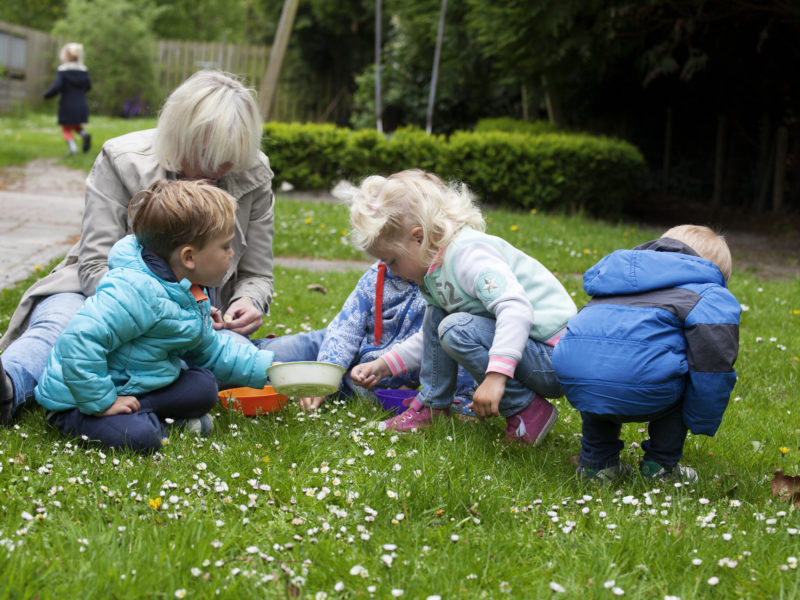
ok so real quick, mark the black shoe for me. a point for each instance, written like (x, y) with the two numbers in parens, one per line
(6, 397)
(87, 140)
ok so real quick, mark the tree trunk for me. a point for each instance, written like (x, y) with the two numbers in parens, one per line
(719, 163)
(378, 36)
(667, 150)
(553, 102)
(763, 175)
(524, 94)
(276, 54)
(778, 185)
(435, 75)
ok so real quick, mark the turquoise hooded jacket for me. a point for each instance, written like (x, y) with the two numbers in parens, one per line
(130, 337)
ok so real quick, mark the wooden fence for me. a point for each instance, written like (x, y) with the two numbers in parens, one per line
(26, 64)
(297, 98)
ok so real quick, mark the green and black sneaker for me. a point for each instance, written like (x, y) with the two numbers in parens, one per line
(606, 475)
(652, 470)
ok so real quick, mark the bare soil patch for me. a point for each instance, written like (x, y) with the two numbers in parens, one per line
(765, 244)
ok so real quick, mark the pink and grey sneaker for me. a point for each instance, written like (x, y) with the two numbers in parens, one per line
(416, 416)
(530, 425)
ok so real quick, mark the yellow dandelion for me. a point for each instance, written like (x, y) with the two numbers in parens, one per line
(38, 267)
(783, 450)
(265, 460)
(514, 228)
(155, 503)
(308, 220)
(533, 211)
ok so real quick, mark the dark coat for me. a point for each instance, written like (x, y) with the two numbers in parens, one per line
(72, 82)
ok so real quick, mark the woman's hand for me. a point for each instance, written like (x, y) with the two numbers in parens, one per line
(486, 399)
(368, 374)
(123, 405)
(241, 317)
(311, 404)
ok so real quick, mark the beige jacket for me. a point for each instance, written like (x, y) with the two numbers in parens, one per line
(125, 166)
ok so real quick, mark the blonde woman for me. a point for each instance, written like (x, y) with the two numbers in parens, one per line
(209, 128)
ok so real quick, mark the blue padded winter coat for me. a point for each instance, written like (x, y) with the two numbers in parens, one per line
(129, 339)
(661, 327)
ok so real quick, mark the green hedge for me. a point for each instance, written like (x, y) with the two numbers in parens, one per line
(510, 125)
(552, 171)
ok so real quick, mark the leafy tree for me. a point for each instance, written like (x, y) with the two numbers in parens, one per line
(469, 86)
(119, 49)
(37, 14)
(238, 21)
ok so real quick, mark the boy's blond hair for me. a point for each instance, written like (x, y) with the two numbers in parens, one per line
(383, 210)
(72, 52)
(706, 243)
(208, 121)
(171, 214)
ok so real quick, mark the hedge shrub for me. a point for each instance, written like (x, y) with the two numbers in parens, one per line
(510, 125)
(553, 171)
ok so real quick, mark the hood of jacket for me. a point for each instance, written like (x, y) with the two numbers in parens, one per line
(661, 263)
(127, 253)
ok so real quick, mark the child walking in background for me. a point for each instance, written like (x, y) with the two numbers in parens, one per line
(72, 82)
(382, 310)
(491, 308)
(115, 374)
(656, 344)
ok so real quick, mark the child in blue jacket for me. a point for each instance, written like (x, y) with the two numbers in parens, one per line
(381, 311)
(115, 375)
(657, 344)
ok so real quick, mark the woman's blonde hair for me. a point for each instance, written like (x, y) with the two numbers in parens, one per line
(706, 243)
(72, 52)
(383, 210)
(171, 214)
(209, 120)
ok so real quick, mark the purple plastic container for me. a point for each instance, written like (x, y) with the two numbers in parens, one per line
(395, 401)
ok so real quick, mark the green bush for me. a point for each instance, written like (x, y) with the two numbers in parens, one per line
(555, 171)
(119, 50)
(511, 125)
(310, 156)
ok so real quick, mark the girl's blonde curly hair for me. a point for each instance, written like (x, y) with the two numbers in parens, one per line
(383, 210)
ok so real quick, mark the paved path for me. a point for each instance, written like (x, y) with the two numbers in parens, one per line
(41, 207)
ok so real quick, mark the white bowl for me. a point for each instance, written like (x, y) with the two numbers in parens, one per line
(305, 379)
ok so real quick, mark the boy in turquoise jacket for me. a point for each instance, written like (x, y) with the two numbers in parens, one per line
(143, 349)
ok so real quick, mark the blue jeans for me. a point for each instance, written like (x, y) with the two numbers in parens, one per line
(295, 347)
(192, 395)
(306, 346)
(600, 444)
(465, 339)
(25, 358)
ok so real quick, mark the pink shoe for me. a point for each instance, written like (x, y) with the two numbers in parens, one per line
(530, 425)
(416, 416)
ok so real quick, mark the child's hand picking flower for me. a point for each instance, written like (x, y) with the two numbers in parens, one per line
(368, 374)
(311, 404)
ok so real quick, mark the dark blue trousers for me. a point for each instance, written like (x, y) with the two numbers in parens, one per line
(193, 394)
(600, 444)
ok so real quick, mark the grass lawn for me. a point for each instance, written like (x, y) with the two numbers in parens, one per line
(33, 135)
(324, 506)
